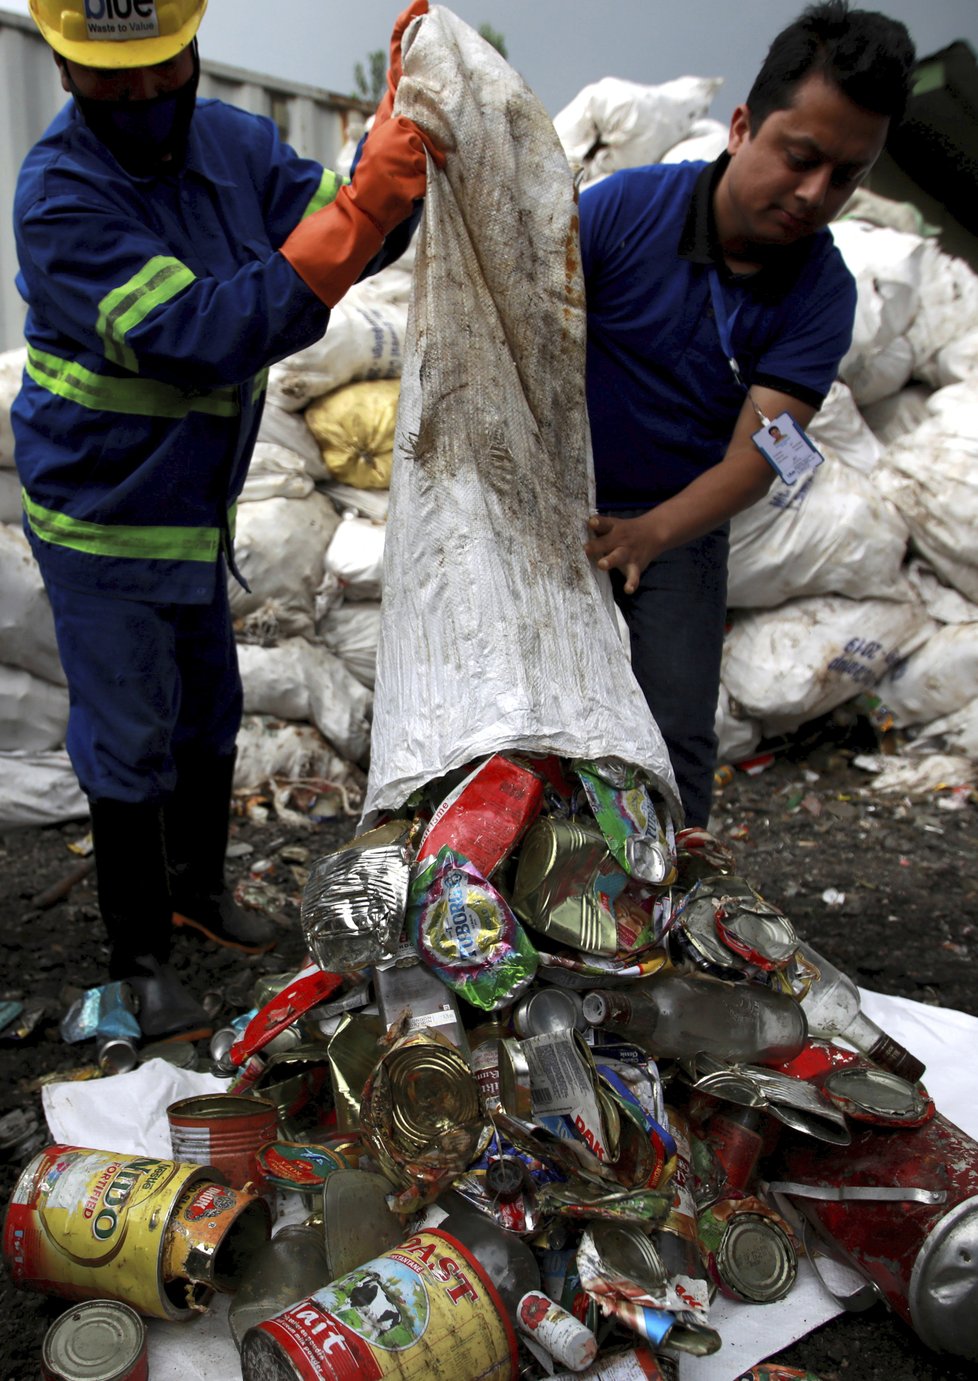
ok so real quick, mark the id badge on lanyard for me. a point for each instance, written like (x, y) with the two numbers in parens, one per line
(784, 444)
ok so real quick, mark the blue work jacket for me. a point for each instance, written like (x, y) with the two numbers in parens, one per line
(155, 306)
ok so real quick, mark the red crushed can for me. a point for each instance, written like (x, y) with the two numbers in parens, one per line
(919, 1245)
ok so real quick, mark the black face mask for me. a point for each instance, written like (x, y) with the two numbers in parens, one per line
(146, 137)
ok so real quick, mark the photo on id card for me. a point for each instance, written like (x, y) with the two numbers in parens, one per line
(786, 447)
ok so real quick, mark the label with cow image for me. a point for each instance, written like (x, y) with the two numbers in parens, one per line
(425, 1309)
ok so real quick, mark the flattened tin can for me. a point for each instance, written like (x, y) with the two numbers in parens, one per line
(225, 1130)
(754, 1259)
(99, 1340)
(87, 1224)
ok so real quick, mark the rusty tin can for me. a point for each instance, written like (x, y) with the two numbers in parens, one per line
(87, 1224)
(98, 1340)
(901, 1206)
(225, 1130)
(213, 1233)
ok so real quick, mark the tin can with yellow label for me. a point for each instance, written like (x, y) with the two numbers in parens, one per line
(87, 1224)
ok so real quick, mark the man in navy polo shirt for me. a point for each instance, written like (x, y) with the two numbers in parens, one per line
(717, 303)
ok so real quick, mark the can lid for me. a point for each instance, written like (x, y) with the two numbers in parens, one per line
(941, 1293)
(875, 1094)
(94, 1341)
(755, 1259)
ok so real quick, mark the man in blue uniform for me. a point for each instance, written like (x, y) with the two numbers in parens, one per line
(170, 250)
(717, 303)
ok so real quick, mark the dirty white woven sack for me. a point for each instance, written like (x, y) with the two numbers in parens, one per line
(496, 632)
(788, 665)
(833, 533)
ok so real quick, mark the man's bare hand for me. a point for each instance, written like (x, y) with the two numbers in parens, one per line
(623, 544)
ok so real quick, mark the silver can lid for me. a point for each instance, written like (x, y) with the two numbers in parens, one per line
(942, 1284)
(755, 1258)
(99, 1340)
(875, 1093)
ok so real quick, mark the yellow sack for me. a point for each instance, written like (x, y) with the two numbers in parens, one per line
(354, 428)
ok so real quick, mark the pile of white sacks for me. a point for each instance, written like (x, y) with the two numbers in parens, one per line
(862, 579)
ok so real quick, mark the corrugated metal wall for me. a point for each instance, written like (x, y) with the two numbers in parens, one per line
(317, 123)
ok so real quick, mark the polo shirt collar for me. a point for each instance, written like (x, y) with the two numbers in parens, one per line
(700, 244)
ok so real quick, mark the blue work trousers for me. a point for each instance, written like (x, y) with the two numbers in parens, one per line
(146, 682)
(676, 622)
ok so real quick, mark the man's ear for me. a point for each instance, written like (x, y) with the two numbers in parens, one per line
(59, 62)
(739, 129)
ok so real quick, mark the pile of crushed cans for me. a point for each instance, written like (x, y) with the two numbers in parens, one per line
(553, 1078)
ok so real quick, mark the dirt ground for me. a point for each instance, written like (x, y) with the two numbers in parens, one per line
(885, 887)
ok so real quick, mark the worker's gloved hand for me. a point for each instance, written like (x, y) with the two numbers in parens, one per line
(386, 107)
(331, 248)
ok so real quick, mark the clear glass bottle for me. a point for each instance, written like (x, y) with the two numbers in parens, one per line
(678, 1016)
(285, 1269)
(832, 1006)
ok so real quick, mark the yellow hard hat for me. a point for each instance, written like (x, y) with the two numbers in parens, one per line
(118, 33)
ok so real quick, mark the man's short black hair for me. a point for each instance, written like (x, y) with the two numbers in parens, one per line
(866, 55)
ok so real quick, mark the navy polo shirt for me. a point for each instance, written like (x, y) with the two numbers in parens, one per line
(662, 398)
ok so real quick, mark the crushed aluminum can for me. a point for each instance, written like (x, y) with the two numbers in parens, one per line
(181, 1054)
(98, 1340)
(621, 1268)
(294, 1083)
(628, 815)
(485, 816)
(421, 1117)
(726, 928)
(796, 1102)
(570, 888)
(353, 902)
(567, 1096)
(515, 1083)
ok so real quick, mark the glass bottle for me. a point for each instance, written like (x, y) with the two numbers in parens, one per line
(285, 1269)
(832, 1006)
(678, 1016)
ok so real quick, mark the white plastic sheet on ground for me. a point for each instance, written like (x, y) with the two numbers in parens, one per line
(38, 789)
(496, 632)
(202, 1349)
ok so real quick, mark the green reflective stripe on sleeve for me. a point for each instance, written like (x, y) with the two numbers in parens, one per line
(139, 397)
(125, 307)
(326, 192)
(109, 539)
(258, 384)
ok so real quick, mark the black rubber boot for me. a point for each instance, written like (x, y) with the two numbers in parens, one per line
(197, 820)
(134, 899)
(167, 1012)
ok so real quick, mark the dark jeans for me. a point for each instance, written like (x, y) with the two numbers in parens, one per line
(676, 620)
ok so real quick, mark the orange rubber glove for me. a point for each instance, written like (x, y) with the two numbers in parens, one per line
(330, 249)
(386, 107)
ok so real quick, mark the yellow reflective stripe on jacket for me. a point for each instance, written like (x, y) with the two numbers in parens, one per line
(325, 192)
(110, 539)
(140, 397)
(125, 307)
(258, 384)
